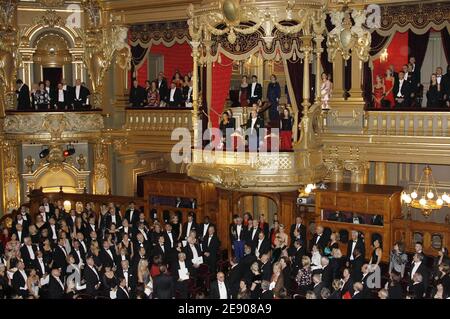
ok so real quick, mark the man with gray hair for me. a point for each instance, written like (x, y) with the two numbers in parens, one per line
(181, 271)
(354, 243)
(266, 293)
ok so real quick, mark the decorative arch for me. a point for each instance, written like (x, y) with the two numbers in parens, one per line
(34, 32)
(69, 177)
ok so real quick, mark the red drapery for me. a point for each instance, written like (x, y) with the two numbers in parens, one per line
(221, 78)
(176, 57)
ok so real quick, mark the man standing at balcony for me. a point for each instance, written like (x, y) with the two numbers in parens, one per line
(175, 96)
(137, 95)
(162, 87)
(60, 99)
(79, 94)
(402, 91)
(23, 95)
(254, 124)
(255, 91)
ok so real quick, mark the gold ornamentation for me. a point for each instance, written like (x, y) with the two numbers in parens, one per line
(29, 163)
(49, 19)
(101, 170)
(81, 160)
(10, 176)
(51, 3)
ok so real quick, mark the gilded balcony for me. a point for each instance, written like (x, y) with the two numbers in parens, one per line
(155, 126)
(257, 171)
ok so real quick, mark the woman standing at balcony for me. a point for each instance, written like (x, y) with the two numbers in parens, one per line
(177, 79)
(153, 95)
(435, 93)
(325, 90)
(388, 87)
(376, 255)
(243, 96)
(286, 131)
(379, 91)
(273, 96)
(41, 98)
(226, 128)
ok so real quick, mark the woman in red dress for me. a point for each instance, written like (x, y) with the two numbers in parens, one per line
(388, 87)
(286, 123)
(243, 91)
(378, 92)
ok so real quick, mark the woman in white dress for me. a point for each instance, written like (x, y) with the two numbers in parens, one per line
(325, 90)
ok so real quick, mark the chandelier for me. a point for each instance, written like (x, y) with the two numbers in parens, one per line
(426, 197)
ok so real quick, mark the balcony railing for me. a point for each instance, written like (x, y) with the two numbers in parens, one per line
(158, 119)
(408, 123)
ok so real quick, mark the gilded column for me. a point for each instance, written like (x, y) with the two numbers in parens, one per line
(307, 49)
(101, 182)
(380, 173)
(207, 42)
(10, 176)
(318, 39)
(248, 203)
(336, 168)
(263, 206)
(195, 122)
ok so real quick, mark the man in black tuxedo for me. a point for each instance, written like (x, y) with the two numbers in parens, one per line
(419, 267)
(356, 265)
(234, 276)
(298, 230)
(189, 226)
(23, 96)
(19, 280)
(327, 272)
(20, 232)
(124, 271)
(138, 95)
(182, 265)
(254, 125)
(319, 239)
(318, 285)
(174, 96)
(79, 95)
(122, 289)
(161, 249)
(252, 234)
(238, 238)
(219, 288)
(246, 262)
(402, 91)
(263, 225)
(192, 251)
(60, 99)
(56, 288)
(254, 91)
(296, 253)
(28, 252)
(417, 286)
(211, 246)
(203, 229)
(60, 255)
(163, 285)
(132, 214)
(265, 266)
(162, 87)
(107, 255)
(265, 292)
(19, 219)
(354, 243)
(51, 92)
(40, 265)
(91, 277)
(262, 245)
(78, 252)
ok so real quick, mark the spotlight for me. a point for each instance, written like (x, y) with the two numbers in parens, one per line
(44, 153)
(69, 151)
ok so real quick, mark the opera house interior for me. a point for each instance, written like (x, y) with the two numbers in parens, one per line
(224, 149)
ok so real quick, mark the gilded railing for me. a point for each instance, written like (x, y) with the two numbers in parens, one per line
(407, 123)
(158, 119)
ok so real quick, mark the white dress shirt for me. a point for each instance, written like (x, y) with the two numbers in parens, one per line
(415, 267)
(188, 229)
(31, 252)
(254, 232)
(77, 91)
(222, 290)
(53, 227)
(400, 84)
(205, 229)
(47, 208)
(60, 96)
(172, 94)
(253, 124)
(41, 264)
(353, 248)
(253, 90)
(238, 231)
(438, 79)
(171, 239)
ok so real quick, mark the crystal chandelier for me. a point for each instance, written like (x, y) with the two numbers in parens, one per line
(426, 197)
(305, 191)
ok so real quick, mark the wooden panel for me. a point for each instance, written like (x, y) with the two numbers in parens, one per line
(377, 204)
(359, 204)
(327, 200)
(344, 202)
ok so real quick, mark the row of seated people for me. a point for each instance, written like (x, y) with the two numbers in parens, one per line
(159, 93)
(404, 89)
(255, 134)
(318, 269)
(96, 257)
(44, 97)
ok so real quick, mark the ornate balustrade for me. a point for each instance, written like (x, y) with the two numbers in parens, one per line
(158, 119)
(408, 123)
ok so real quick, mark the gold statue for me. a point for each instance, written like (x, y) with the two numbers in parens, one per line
(81, 160)
(29, 162)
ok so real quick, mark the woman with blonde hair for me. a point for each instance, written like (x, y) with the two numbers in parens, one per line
(337, 286)
(277, 280)
(144, 278)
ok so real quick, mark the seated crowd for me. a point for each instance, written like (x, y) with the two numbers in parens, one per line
(404, 89)
(158, 93)
(122, 255)
(44, 97)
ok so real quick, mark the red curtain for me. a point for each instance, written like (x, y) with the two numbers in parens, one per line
(177, 57)
(417, 47)
(221, 78)
(446, 43)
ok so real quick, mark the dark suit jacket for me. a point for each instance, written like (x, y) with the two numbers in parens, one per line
(318, 288)
(268, 294)
(356, 265)
(54, 98)
(212, 248)
(132, 278)
(359, 245)
(59, 258)
(106, 259)
(135, 216)
(233, 280)
(184, 233)
(24, 253)
(17, 282)
(91, 280)
(265, 246)
(38, 267)
(417, 290)
(190, 254)
(162, 88)
(234, 234)
(302, 233)
(176, 266)
(257, 92)
(55, 291)
(327, 276)
(322, 243)
(82, 98)
(259, 124)
(23, 98)
(138, 96)
(201, 230)
(177, 98)
(266, 270)
(214, 292)
(163, 287)
(121, 294)
(405, 91)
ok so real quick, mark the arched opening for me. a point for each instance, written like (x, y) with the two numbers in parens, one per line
(258, 205)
